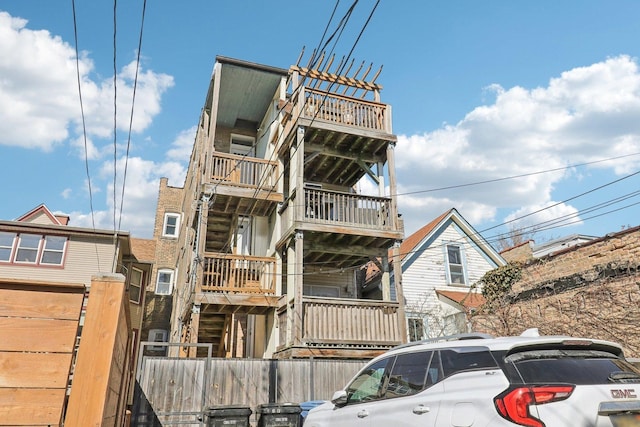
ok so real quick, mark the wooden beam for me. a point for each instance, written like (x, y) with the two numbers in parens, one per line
(346, 249)
(320, 149)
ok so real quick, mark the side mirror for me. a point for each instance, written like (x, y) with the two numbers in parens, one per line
(339, 398)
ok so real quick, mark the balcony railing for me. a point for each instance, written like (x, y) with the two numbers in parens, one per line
(238, 274)
(344, 110)
(350, 322)
(332, 207)
(244, 171)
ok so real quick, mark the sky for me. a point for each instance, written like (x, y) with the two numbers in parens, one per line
(521, 115)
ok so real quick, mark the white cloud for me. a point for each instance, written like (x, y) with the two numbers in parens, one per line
(39, 99)
(586, 114)
(182, 145)
(137, 213)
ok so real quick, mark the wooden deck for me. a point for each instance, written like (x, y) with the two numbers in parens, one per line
(242, 274)
(338, 327)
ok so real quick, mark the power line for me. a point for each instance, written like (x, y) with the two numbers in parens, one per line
(489, 181)
(115, 111)
(133, 101)
(84, 126)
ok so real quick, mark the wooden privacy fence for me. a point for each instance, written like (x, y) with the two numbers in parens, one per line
(103, 370)
(177, 391)
(39, 328)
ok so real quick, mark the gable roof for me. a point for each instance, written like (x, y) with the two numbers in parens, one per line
(420, 238)
(42, 215)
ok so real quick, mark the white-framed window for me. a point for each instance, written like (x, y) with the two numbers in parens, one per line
(135, 285)
(53, 250)
(36, 249)
(28, 247)
(164, 284)
(7, 241)
(455, 265)
(416, 327)
(171, 226)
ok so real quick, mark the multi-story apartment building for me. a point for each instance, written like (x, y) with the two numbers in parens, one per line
(271, 230)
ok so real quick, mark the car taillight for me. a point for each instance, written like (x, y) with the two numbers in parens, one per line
(513, 404)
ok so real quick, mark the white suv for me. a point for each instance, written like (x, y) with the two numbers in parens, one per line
(479, 381)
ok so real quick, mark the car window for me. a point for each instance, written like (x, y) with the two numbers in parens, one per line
(368, 384)
(466, 359)
(408, 374)
(580, 367)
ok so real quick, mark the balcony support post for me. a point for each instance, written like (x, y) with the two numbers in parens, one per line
(298, 313)
(397, 280)
(393, 191)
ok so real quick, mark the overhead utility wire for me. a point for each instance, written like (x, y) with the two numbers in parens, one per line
(133, 101)
(564, 201)
(313, 60)
(115, 111)
(489, 181)
(84, 126)
(549, 224)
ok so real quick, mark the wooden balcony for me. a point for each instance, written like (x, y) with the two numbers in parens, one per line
(244, 171)
(344, 328)
(347, 209)
(344, 110)
(241, 182)
(238, 274)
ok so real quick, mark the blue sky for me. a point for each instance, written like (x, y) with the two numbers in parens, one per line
(480, 91)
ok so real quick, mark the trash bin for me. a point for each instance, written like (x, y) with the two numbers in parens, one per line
(279, 415)
(228, 416)
(309, 405)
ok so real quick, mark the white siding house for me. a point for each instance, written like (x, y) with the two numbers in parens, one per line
(440, 264)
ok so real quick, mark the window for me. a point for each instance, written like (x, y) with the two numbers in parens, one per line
(135, 285)
(171, 226)
(466, 359)
(53, 250)
(34, 249)
(28, 245)
(454, 262)
(368, 384)
(6, 245)
(408, 374)
(164, 285)
(416, 328)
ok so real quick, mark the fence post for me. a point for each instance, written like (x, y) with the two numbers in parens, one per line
(101, 378)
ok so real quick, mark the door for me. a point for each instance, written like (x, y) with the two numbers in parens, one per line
(412, 393)
(244, 171)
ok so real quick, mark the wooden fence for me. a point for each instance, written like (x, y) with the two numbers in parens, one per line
(103, 369)
(39, 329)
(174, 391)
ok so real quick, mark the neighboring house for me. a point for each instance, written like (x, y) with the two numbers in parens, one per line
(41, 246)
(258, 253)
(440, 264)
(588, 289)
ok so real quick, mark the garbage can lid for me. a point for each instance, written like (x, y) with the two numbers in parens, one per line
(228, 410)
(279, 408)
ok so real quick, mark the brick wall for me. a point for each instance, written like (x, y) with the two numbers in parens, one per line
(592, 290)
(157, 313)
